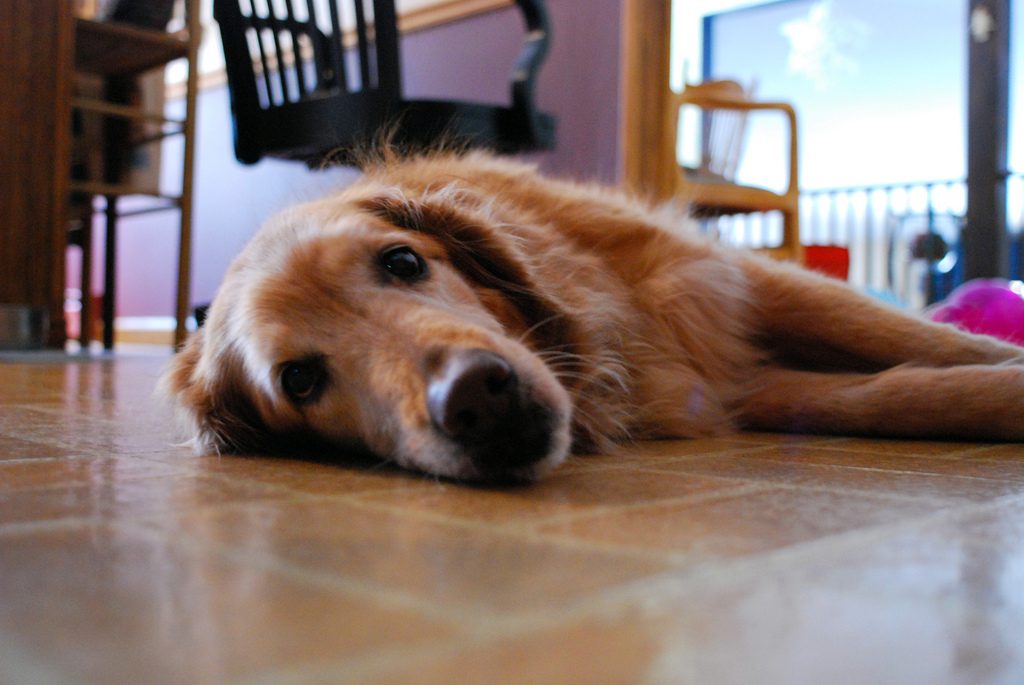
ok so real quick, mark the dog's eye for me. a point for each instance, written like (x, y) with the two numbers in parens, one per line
(302, 380)
(403, 263)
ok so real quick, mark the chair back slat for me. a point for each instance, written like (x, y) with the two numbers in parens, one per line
(280, 71)
(336, 44)
(723, 130)
(387, 58)
(327, 53)
(298, 53)
(362, 45)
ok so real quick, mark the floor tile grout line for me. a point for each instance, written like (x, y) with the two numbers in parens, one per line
(225, 478)
(527, 526)
(105, 450)
(101, 519)
(154, 523)
(528, 534)
(892, 496)
(628, 597)
(811, 543)
(714, 454)
(654, 467)
(147, 455)
(174, 473)
(801, 552)
(742, 487)
(657, 461)
(20, 461)
(18, 528)
(29, 667)
(755, 487)
(947, 508)
(178, 470)
(956, 453)
(452, 614)
(526, 531)
(730, 571)
(960, 454)
(891, 446)
(954, 512)
(359, 499)
(58, 412)
(354, 669)
(875, 469)
(836, 444)
(848, 490)
(529, 531)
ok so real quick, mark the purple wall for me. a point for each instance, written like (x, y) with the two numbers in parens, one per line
(579, 82)
(469, 59)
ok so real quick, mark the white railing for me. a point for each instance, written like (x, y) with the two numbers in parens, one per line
(903, 239)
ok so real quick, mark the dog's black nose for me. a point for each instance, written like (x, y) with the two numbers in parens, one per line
(471, 395)
(475, 399)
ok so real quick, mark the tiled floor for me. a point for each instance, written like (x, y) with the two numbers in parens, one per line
(755, 559)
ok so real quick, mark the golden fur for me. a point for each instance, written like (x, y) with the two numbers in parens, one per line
(610, 321)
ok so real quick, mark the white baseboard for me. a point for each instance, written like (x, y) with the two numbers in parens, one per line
(147, 330)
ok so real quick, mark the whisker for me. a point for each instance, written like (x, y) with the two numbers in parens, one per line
(533, 329)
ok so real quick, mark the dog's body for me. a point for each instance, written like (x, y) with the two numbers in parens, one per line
(467, 317)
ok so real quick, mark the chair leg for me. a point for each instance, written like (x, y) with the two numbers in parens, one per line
(85, 314)
(791, 235)
(116, 135)
(109, 268)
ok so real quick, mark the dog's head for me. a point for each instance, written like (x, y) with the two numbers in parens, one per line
(405, 326)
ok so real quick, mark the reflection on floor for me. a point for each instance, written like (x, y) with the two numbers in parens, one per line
(753, 559)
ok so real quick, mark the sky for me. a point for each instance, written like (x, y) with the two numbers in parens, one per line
(879, 86)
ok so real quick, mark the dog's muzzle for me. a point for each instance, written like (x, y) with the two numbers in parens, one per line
(476, 399)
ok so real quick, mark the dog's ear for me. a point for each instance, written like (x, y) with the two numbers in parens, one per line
(217, 411)
(483, 254)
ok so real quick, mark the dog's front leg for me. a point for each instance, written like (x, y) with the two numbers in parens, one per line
(967, 402)
(803, 313)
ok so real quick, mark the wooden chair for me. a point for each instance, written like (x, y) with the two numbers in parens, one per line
(710, 188)
(305, 86)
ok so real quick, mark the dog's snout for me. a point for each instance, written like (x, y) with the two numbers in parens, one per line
(471, 394)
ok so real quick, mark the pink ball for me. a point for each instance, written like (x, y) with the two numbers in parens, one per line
(994, 307)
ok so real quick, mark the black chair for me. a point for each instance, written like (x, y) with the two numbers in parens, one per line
(299, 92)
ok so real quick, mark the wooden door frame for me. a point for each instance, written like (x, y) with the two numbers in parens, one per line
(985, 242)
(644, 137)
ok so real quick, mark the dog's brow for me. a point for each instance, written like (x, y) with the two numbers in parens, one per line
(401, 212)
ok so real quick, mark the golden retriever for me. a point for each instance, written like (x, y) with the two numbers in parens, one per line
(467, 317)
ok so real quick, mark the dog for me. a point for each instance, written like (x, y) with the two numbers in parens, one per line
(465, 316)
